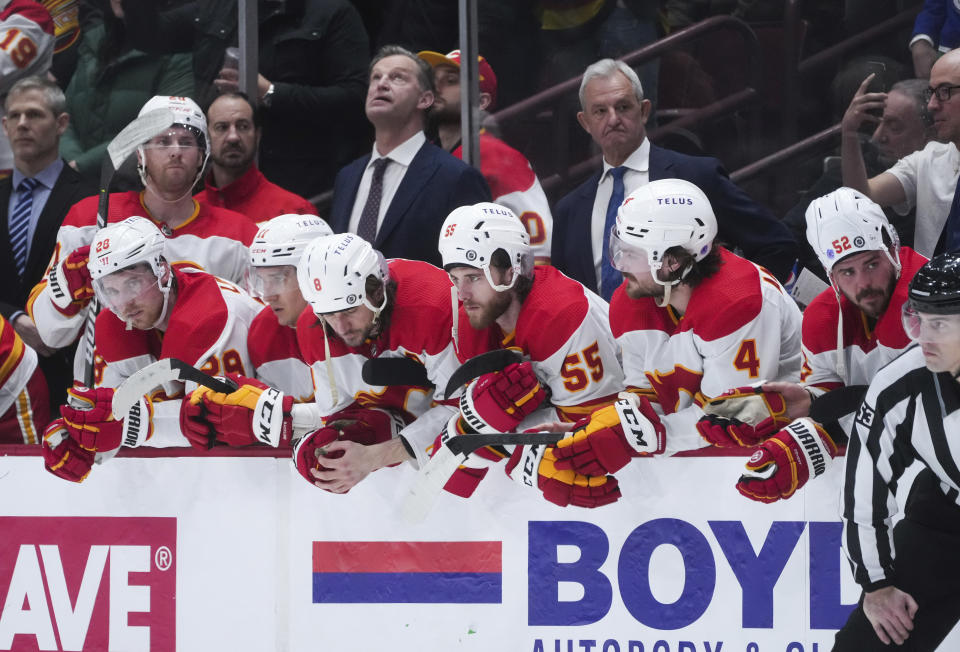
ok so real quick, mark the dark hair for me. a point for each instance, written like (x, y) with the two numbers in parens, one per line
(374, 289)
(257, 117)
(501, 260)
(424, 69)
(700, 270)
(915, 90)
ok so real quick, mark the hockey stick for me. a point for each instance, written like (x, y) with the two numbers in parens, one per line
(837, 403)
(395, 371)
(120, 148)
(479, 365)
(153, 375)
(454, 452)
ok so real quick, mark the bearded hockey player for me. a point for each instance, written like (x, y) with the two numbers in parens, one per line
(212, 239)
(153, 311)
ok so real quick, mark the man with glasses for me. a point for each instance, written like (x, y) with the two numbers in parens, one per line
(210, 238)
(910, 573)
(926, 179)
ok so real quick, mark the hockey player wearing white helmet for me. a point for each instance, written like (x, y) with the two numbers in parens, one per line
(153, 310)
(210, 238)
(558, 326)
(362, 307)
(272, 341)
(850, 331)
(693, 320)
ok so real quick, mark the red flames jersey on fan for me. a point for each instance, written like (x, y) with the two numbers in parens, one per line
(563, 331)
(208, 329)
(276, 358)
(419, 328)
(18, 367)
(864, 350)
(213, 239)
(740, 327)
(513, 184)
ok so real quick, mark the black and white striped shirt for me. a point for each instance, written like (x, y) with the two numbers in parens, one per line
(909, 413)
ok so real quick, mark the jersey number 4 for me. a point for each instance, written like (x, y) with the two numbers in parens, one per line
(747, 359)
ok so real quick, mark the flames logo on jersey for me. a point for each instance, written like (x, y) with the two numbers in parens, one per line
(669, 385)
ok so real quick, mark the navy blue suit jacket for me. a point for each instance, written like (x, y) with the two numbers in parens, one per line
(741, 222)
(435, 183)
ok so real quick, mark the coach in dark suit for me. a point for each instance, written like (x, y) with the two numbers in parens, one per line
(398, 196)
(614, 113)
(33, 203)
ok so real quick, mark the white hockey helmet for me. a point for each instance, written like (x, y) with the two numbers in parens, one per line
(186, 114)
(118, 247)
(471, 234)
(846, 222)
(281, 241)
(333, 272)
(659, 215)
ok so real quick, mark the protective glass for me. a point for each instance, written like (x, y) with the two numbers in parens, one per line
(116, 290)
(625, 258)
(929, 327)
(271, 281)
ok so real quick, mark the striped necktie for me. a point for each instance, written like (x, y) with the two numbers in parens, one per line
(19, 222)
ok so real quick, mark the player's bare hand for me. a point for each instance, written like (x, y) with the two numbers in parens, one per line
(343, 473)
(891, 613)
(797, 398)
(27, 330)
(862, 103)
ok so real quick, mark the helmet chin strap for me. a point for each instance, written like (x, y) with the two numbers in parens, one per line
(142, 171)
(495, 286)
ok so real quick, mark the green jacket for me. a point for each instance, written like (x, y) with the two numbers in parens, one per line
(101, 102)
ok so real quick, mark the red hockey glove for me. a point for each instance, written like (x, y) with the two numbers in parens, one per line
(744, 416)
(535, 467)
(610, 437)
(365, 426)
(64, 457)
(786, 461)
(70, 283)
(252, 414)
(499, 400)
(91, 424)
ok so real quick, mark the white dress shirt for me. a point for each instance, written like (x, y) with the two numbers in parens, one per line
(400, 159)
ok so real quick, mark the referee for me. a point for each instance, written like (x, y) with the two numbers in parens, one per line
(910, 573)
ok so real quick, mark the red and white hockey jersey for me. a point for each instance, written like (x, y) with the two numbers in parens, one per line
(276, 358)
(419, 328)
(563, 331)
(740, 327)
(514, 184)
(865, 351)
(208, 329)
(18, 364)
(26, 48)
(213, 239)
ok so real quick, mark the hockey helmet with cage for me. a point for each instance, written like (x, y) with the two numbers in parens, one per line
(846, 222)
(281, 240)
(659, 215)
(186, 114)
(935, 288)
(472, 234)
(333, 272)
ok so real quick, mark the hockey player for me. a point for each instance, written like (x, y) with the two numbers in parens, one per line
(153, 310)
(209, 238)
(362, 308)
(272, 341)
(24, 401)
(512, 181)
(692, 319)
(910, 575)
(558, 326)
(850, 331)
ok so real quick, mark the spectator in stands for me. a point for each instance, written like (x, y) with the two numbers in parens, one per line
(312, 60)
(904, 127)
(512, 180)
(397, 196)
(936, 30)
(614, 112)
(926, 179)
(33, 203)
(234, 181)
(112, 81)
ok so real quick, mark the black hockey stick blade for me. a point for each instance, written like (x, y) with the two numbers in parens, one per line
(154, 375)
(837, 403)
(479, 365)
(395, 371)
